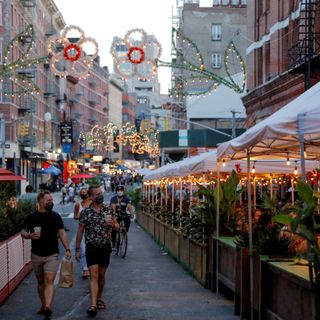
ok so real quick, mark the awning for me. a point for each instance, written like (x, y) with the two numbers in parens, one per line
(279, 134)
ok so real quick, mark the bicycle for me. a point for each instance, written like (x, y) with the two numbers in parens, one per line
(122, 237)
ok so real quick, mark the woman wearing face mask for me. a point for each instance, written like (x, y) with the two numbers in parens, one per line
(97, 224)
(42, 228)
(121, 205)
(78, 207)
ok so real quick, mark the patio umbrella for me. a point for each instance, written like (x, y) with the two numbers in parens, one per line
(10, 177)
(82, 176)
(5, 172)
(51, 170)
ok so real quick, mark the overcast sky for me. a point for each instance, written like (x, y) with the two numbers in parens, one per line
(104, 19)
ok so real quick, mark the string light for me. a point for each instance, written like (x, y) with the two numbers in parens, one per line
(288, 160)
(253, 170)
(223, 163)
(295, 172)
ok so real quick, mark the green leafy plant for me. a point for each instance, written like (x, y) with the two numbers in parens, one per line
(304, 223)
(135, 197)
(228, 195)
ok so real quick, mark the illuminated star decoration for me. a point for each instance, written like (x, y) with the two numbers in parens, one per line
(136, 55)
(72, 54)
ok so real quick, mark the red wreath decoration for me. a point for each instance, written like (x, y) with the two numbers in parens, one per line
(131, 51)
(70, 47)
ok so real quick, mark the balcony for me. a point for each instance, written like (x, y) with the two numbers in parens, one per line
(75, 98)
(92, 102)
(27, 73)
(28, 3)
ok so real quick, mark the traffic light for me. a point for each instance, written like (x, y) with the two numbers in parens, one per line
(23, 129)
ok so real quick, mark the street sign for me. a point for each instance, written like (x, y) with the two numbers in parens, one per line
(7, 145)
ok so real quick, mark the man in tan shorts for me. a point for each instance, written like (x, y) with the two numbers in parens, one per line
(43, 228)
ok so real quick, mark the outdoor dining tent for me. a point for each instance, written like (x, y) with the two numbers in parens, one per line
(208, 162)
(293, 131)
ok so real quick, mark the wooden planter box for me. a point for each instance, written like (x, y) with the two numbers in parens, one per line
(193, 256)
(286, 293)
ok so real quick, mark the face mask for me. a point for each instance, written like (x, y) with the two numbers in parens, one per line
(83, 196)
(120, 193)
(99, 199)
(49, 206)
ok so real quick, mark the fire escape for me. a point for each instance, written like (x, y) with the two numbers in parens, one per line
(305, 54)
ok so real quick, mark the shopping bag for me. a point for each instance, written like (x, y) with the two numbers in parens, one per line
(66, 274)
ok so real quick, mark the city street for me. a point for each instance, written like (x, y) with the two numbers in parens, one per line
(146, 285)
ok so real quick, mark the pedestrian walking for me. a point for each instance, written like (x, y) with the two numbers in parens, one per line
(78, 207)
(43, 228)
(97, 223)
(64, 193)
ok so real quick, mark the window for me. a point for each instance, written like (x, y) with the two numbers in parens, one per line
(244, 2)
(225, 2)
(235, 2)
(216, 60)
(216, 32)
(216, 2)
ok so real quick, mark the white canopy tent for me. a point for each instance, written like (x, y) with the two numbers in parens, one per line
(283, 132)
(208, 162)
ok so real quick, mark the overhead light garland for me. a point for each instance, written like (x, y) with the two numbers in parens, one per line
(145, 141)
(72, 54)
(136, 55)
(20, 71)
(197, 79)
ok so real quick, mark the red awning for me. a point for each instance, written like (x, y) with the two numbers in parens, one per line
(11, 178)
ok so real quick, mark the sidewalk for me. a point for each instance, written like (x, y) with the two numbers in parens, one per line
(146, 285)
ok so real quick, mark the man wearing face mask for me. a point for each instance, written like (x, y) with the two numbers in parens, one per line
(43, 228)
(120, 205)
(78, 207)
(97, 223)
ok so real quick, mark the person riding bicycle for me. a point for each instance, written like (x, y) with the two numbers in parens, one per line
(121, 205)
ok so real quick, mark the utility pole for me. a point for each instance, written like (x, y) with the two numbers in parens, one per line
(233, 134)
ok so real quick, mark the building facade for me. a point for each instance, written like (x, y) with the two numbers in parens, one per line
(28, 117)
(283, 45)
(211, 27)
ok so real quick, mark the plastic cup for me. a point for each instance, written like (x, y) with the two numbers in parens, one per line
(37, 230)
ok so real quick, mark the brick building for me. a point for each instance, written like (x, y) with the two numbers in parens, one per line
(280, 40)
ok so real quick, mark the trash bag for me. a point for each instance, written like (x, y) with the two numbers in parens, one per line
(66, 274)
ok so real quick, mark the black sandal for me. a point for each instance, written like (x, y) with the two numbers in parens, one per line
(100, 304)
(92, 311)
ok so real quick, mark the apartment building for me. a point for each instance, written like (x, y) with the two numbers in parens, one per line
(282, 54)
(34, 113)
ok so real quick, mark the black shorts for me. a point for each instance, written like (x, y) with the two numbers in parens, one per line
(100, 256)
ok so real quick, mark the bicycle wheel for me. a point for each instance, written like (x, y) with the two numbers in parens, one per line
(118, 239)
(123, 243)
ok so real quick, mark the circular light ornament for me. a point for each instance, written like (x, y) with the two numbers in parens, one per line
(136, 55)
(71, 53)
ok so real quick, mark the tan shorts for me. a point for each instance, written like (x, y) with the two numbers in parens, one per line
(44, 264)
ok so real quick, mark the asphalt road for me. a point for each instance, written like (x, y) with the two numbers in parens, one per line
(146, 285)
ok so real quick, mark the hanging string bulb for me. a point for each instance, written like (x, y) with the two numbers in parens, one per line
(253, 170)
(288, 160)
(295, 172)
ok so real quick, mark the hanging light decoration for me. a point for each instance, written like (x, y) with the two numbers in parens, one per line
(72, 54)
